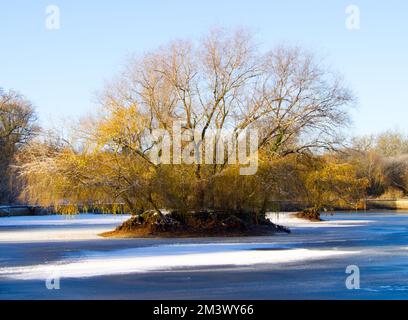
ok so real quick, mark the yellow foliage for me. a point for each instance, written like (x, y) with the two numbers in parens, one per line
(334, 184)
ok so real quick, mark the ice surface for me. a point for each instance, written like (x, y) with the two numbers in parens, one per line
(109, 263)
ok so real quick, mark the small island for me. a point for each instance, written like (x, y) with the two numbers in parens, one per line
(196, 224)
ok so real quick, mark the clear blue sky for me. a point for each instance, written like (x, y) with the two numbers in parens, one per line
(60, 70)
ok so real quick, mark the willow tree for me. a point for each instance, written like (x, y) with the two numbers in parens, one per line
(332, 184)
(220, 83)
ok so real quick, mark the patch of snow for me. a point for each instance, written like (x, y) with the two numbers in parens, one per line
(107, 264)
(288, 219)
(59, 220)
(52, 235)
(57, 227)
(174, 249)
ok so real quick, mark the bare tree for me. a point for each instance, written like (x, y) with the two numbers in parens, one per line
(17, 127)
(391, 144)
